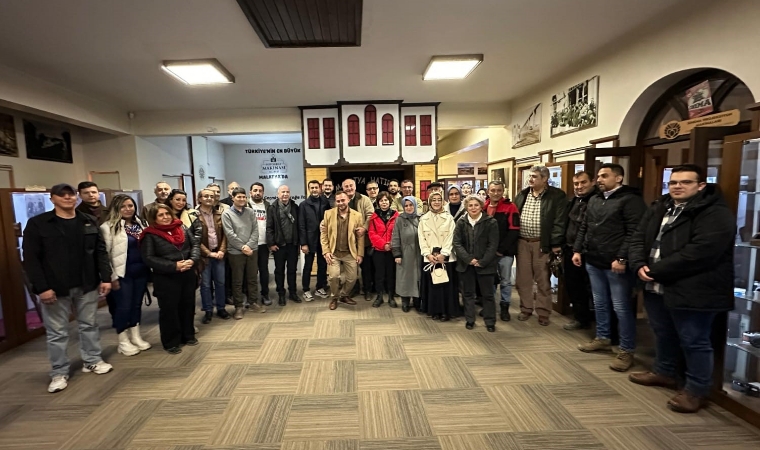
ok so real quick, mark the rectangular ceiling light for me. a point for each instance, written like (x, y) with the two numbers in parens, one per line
(456, 67)
(195, 72)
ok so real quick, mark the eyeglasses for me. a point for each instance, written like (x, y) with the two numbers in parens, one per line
(372, 188)
(683, 183)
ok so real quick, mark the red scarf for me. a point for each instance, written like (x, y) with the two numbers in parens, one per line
(173, 232)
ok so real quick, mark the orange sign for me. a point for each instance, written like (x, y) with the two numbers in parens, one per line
(673, 129)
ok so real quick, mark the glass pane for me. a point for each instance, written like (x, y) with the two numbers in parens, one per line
(665, 116)
(739, 98)
(714, 160)
(2, 322)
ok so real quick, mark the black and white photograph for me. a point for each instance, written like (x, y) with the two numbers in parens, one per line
(526, 127)
(8, 142)
(575, 108)
(47, 142)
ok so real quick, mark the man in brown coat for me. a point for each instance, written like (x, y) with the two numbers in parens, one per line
(343, 248)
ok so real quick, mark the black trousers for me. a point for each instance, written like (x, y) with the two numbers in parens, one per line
(368, 272)
(471, 279)
(321, 271)
(286, 255)
(577, 287)
(176, 303)
(385, 272)
(264, 269)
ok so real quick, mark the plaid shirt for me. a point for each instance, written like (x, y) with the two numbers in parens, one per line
(654, 255)
(530, 218)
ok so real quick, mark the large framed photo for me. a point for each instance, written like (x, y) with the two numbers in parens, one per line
(526, 127)
(47, 142)
(8, 143)
(575, 108)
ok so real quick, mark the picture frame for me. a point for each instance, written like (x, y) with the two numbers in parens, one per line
(47, 142)
(575, 108)
(8, 140)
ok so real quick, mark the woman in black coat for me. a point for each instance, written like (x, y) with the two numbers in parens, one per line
(476, 238)
(172, 250)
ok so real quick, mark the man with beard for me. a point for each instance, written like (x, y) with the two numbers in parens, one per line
(575, 277)
(394, 190)
(362, 205)
(311, 213)
(407, 190)
(162, 191)
(328, 191)
(612, 216)
(217, 190)
(260, 208)
(342, 240)
(282, 239)
(90, 195)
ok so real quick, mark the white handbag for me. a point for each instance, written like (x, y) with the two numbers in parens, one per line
(437, 273)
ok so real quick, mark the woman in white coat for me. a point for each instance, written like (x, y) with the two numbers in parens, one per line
(436, 234)
(121, 232)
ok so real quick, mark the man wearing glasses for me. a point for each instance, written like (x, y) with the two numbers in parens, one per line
(372, 190)
(213, 249)
(683, 253)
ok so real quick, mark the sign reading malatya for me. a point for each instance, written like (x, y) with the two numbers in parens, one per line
(673, 129)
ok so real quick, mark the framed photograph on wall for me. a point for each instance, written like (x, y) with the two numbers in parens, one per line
(47, 142)
(526, 127)
(8, 143)
(575, 108)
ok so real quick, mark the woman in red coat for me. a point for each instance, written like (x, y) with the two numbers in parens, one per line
(380, 233)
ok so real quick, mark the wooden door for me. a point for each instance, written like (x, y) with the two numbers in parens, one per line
(655, 162)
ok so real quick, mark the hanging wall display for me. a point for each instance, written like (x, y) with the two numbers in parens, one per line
(575, 108)
(8, 143)
(526, 127)
(47, 142)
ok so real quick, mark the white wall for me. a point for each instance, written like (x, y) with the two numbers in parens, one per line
(244, 165)
(108, 153)
(215, 160)
(160, 155)
(28, 172)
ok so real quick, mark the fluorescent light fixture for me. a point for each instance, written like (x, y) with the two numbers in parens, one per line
(196, 72)
(455, 67)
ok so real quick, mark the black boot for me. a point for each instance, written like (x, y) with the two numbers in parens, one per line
(379, 300)
(281, 300)
(392, 302)
(207, 317)
(405, 304)
(505, 317)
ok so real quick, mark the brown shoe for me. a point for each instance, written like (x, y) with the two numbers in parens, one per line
(685, 402)
(595, 346)
(239, 313)
(622, 362)
(334, 304)
(255, 307)
(347, 300)
(523, 316)
(652, 379)
(543, 320)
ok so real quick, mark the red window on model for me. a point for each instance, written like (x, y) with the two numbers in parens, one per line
(328, 128)
(410, 130)
(388, 129)
(353, 130)
(313, 128)
(426, 130)
(370, 125)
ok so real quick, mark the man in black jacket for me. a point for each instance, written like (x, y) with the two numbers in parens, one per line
(67, 264)
(543, 212)
(683, 251)
(282, 239)
(229, 200)
(612, 217)
(311, 212)
(575, 277)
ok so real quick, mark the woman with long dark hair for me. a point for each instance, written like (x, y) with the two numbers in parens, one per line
(405, 245)
(121, 232)
(380, 235)
(172, 251)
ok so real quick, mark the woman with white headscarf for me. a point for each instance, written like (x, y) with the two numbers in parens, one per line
(436, 234)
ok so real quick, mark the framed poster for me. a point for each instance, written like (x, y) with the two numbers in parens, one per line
(575, 108)
(526, 127)
(47, 142)
(8, 143)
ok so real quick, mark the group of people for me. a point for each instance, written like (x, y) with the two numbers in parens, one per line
(394, 244)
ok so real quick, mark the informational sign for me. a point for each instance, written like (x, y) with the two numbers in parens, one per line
(270, 165)
(674, 128)
(465, 169)
(699, 100)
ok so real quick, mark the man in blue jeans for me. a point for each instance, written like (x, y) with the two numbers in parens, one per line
(612, 217)
(508, 219)
(213, 249)
(68, 266)
(683, 252)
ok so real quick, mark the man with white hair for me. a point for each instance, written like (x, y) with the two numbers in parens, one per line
(162, 191)
(282, 239)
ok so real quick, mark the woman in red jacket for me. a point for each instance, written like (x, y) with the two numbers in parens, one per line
(380, 233)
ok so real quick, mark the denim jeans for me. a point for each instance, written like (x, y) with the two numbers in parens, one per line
(682, 332)
(127, 302)
(321, 271)
(505, 279)
(56, 319)
(214, 271)
(612, 292)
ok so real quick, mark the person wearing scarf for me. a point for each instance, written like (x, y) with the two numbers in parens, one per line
(454, 205)
(172, 251)
(405, 245)
(380, 234)
(436, 233)
(122, 232)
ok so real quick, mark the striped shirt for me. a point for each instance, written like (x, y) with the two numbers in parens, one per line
(530, 218)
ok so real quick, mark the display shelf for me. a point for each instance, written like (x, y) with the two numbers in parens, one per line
(747, 245)
(746, 400)
(741, 297)
(744, 346)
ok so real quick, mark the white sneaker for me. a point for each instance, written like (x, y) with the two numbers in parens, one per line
(99, 368)
(59, 383)
(321, 293)
(308, 296)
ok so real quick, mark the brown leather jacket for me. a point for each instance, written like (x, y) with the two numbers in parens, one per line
(220, 237)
